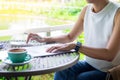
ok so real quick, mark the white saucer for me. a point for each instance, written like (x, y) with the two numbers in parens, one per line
(9, 62)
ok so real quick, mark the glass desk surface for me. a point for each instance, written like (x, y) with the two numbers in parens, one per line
(39, 64)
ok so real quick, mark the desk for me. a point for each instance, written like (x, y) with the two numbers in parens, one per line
(39, 65)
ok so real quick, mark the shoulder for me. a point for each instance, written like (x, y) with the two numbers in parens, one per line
(117, 21)
(82, 14)
(85, 8)
(117, 16)
(118, 12)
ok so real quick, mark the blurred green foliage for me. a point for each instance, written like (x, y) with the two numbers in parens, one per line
(68, 11)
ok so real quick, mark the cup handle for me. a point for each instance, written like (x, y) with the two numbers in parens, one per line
(28, 57)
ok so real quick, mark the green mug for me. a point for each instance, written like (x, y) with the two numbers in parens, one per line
(18, 55)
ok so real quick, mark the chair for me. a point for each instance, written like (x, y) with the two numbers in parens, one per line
(114, 73)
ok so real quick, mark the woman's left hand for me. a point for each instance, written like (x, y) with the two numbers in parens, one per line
(62, 47)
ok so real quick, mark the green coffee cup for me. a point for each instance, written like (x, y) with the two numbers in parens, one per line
(18, 55)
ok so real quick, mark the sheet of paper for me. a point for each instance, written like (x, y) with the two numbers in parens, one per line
(39, 50)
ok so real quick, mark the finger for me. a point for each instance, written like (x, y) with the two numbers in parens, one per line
(32, 36)
(64, 48)
(37, 37)
(56, 49)
(51, 49)
(59, 49)
(28, 38)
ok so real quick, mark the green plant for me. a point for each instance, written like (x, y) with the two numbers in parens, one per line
(68, 11)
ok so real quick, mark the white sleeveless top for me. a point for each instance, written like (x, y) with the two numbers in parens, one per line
(98, 29)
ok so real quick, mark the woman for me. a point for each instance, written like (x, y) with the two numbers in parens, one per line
(100, 21)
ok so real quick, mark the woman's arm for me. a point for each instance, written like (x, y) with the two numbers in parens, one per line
(113, 45)
(77, 29)
(107, 53)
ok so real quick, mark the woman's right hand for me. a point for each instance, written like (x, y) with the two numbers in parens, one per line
(36, 37)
